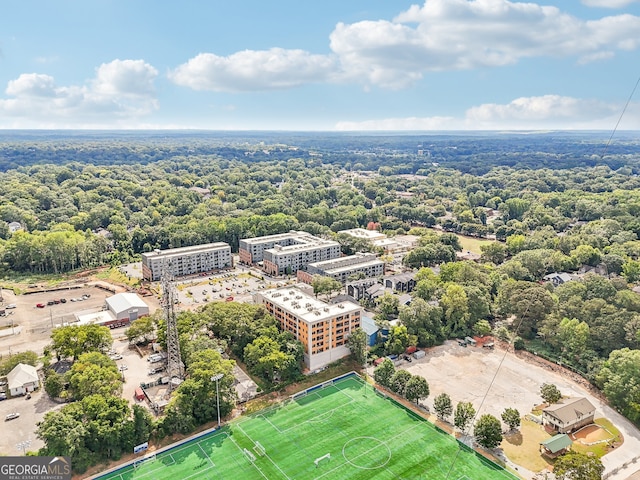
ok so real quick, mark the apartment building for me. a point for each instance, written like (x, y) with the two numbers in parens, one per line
(363, 265)
(322, 328)
(186, 260)
(287, 252)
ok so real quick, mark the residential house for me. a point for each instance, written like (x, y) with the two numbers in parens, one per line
(569, 414)
(22, 379)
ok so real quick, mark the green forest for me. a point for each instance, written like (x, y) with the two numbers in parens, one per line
(554, 203)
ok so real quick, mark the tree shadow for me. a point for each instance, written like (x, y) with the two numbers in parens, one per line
(514, 438)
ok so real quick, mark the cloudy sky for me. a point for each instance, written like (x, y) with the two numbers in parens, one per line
(320, 65)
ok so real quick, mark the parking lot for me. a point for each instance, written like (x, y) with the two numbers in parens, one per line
(237, 285)
(22, 428)
(34, 324)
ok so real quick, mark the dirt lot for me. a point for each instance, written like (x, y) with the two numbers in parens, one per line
(494, 379)
(36, 323)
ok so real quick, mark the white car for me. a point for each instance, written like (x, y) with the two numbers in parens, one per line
(11, 305)
(11, 416)
(122, 368)
(115, 356)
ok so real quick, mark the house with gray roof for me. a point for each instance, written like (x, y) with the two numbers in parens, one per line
(569, 414)
(22, 379)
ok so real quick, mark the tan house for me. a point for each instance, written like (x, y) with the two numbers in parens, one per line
(569, 414)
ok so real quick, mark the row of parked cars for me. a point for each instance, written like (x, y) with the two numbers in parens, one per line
(62, 300)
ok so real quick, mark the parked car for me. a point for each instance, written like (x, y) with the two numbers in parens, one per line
(3, 396)
(11, 305)
(115, 356)
(63, 300)
(11, 416)
(28, 397)
(41, 305)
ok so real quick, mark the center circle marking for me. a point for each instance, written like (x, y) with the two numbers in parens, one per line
(367, 453)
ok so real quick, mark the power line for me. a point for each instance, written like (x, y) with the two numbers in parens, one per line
(606, 147)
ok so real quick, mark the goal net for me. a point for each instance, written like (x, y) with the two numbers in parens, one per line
(138, 463)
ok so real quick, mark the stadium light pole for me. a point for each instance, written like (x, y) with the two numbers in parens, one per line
(23, 446)
(217, 378)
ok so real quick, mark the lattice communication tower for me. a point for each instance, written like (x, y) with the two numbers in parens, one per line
(175, 367)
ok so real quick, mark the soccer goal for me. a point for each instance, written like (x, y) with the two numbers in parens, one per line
(250, 456)
(259, 449)
(319, 460)
(148, 458)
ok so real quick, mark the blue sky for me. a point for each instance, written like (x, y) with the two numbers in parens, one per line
(311, 65)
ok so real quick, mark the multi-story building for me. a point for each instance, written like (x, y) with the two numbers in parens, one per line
(362, 265)
(377, 239)
(322, 328)
(186, 260)
(287, 252)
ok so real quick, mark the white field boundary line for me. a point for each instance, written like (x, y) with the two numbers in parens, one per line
(266, 454)
(160, 467)
(193, 475)
(205, 454)
(313, 419)
(244, 456)
(343, 462)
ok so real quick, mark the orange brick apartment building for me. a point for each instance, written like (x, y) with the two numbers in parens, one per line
(322, 328)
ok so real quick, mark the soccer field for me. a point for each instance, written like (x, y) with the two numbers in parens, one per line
(343, 430)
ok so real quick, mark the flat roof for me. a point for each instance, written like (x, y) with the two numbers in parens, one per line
(185, 250)
(364, 233)
(305, 306)
(95, 317)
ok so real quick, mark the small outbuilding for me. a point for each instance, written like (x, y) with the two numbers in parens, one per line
(22, 379)
(556, 445)
(370, 329)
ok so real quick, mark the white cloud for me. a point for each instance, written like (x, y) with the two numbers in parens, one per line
(121, 92)
(525, 113)
(463, 34)
(252, 70)
(608, 3)
(440, 35)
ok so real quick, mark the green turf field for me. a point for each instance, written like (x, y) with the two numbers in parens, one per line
(362, 435)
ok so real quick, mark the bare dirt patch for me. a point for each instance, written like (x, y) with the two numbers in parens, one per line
(591, 434)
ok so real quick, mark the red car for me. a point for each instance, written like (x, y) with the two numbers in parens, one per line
(40, 305)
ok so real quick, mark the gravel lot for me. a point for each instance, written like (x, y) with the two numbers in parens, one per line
(494, 379)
